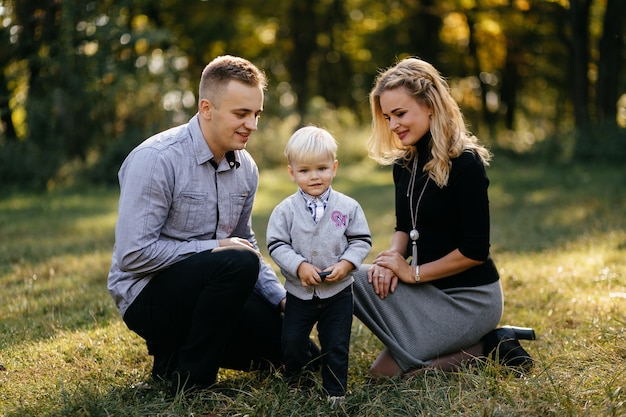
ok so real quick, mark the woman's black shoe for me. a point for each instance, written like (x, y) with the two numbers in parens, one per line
(502, 346)
(521, 333)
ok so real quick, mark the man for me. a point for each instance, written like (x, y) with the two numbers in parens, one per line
(186, 272)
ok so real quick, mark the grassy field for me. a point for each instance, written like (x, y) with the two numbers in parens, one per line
(559, 241)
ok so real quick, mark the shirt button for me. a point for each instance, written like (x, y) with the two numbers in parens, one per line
(314, 253)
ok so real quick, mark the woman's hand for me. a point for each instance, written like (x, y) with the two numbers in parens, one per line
(393, 261)
(381, 275)
(383, 280)
(453, 263)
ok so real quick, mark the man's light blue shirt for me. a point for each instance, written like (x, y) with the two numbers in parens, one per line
(175, 203)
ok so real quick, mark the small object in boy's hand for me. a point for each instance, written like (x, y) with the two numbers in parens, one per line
(324, 274)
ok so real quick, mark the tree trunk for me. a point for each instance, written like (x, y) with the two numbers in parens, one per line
(579, 62)
(611, 60)
(511, 81)
(579, 18)
(425, 24)
(334, 67)
(303, 37)
(5, 111)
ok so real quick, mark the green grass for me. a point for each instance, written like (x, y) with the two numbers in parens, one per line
(559, 241)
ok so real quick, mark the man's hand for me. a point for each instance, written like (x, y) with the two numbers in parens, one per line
(237, 241)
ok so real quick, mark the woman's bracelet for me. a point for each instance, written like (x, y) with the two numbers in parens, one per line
(417, 273)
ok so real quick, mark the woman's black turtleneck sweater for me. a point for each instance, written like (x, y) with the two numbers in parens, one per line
(453, 217)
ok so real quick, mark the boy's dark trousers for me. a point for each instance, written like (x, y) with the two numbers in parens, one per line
(334, 324)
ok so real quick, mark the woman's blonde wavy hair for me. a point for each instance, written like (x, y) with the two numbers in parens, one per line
(450, 136)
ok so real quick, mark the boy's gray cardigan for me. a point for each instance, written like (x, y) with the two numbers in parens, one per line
(293, 237)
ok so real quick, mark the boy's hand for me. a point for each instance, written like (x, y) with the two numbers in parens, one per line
(308, 274)
(338, 271)
(324, 274)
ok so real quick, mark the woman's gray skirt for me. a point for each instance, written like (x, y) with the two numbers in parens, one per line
(418, 323)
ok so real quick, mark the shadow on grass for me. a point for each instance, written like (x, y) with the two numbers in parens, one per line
(537, 207)
(256, 394)
(55, 250)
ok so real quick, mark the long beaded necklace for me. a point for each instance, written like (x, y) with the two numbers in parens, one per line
(414, 234)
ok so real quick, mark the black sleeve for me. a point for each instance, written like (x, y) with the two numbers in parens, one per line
(469, 181)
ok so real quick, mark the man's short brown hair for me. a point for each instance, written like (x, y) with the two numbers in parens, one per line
(225, 68)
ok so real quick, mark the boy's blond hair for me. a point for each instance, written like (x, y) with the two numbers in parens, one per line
(309, 144)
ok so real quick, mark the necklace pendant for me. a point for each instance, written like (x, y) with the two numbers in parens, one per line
(414, 235)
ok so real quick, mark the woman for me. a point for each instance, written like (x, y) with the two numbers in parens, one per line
(441, 308)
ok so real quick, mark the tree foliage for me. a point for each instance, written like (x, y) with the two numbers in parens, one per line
(82, 82)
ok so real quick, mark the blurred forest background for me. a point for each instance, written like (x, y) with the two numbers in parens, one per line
(85, 81)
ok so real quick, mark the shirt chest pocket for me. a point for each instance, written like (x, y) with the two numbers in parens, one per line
(235, 210)
(192, 212)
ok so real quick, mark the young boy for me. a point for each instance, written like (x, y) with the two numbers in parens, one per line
(317, 237)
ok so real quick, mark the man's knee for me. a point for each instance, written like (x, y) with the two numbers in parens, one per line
(249, 259)
(239, 260)
(250, 265)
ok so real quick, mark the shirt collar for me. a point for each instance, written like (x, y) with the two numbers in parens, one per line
(308, 198)
(231, 159)
(202, 150)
